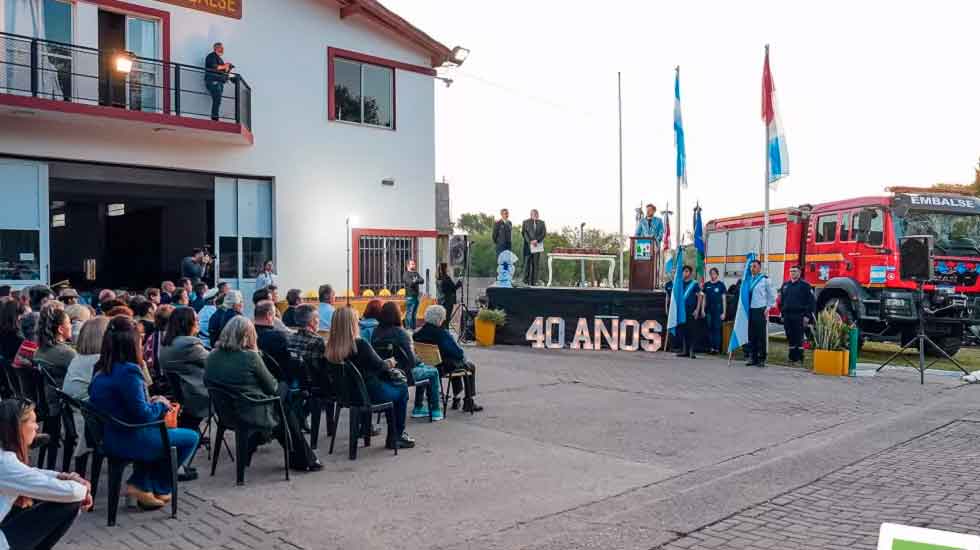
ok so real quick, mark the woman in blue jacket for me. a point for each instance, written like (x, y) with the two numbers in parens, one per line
(118, 389)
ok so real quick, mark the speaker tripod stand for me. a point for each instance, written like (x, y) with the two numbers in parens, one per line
(920, 340)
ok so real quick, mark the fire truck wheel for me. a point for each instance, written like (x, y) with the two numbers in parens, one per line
(844, 310)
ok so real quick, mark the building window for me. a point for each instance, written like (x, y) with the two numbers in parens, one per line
(827, 228)
(228, 258)
(363, 93)
(20, 255)
(256, 251)
(382, 262)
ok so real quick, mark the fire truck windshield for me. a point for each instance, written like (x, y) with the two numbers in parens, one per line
(953, 234)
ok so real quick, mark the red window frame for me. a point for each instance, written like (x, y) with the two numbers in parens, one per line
(395, 66)
(355, 246)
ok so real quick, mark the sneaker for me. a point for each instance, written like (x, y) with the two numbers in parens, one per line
(437, 415)
(421, 412)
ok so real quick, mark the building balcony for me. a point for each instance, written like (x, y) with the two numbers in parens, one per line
(86, 86)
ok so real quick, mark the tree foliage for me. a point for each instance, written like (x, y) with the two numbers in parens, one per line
(483, 257)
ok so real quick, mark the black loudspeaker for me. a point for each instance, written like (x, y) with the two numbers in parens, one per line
(916, 257)
(457, 250)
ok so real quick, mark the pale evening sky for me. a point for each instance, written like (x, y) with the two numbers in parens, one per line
(871, 94)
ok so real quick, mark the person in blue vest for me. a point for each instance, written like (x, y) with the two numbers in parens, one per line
(762, 298)
(687, 332)
(651, 226)
(714, 309)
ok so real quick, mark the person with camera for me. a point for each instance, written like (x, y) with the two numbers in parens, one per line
(192, 267)
(215, 77)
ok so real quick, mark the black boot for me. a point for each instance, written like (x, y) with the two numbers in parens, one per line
(470, 406)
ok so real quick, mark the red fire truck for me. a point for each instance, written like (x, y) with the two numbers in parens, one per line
(849, 251)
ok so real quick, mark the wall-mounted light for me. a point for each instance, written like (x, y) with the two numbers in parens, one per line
(124, 62)
(388, 182)
(116, 209)
(459, 55)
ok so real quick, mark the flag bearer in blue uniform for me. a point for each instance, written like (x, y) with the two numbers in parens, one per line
(797, 305)
(688, 331)
(714, 309)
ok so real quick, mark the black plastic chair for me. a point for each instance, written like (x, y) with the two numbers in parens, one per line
(348, 386)
(320, 399)
(96, 421)
(31, 382)
(391, 351)
(8, 387)
(177, 392)
(225, 405)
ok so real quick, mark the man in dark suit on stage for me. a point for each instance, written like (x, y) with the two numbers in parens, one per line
(533, 230)
(502, 232)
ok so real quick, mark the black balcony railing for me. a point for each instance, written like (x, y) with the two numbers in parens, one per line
(68, 72)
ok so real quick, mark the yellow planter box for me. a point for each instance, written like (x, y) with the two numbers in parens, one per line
(831, 363)
(486, 331)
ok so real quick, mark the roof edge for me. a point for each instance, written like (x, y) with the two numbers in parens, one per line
(397, 25)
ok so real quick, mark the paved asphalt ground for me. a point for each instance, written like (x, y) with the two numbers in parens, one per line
(605, 450)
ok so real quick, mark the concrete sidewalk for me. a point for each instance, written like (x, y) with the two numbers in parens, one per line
(574, 450)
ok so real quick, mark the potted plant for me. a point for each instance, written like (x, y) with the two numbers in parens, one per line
(487, 321)
(830, 337)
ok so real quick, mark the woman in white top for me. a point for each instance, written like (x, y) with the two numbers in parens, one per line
(36, 506)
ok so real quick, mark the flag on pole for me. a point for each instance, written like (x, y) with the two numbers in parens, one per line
(699, 244)
(776, 141)
(740, 333)
(675, 313)
(679, 131)
(666, 228)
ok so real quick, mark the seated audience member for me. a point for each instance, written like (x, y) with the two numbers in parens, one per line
(79, 375)
(39, 295)
(123, 297)
(186, 284)
(236, 364)
(180, 298)
(345, 345)
(265, 294)
(10, 338)
(53, 352)
(452, 356)
(105, 295)
(120, 309)
(37, 507)
(144, 312)
(77, 314)
(152, 342)
(369, 321)
(390, 331)
(88, 347)
(223, 287)
(211, 300)
(167, 291)
(183, 354)
(272, 342)
(305, 344)
(233, 306)
(200, 290)
(153, 295)
(293, 298)
(118, 389)
(68, 296)
(326, 306)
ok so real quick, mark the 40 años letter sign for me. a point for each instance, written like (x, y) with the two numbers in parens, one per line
(613, 333)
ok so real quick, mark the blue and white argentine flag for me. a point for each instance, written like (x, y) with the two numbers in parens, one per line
(675, 314)
(679, 132)
(740, 334)
(776, 146)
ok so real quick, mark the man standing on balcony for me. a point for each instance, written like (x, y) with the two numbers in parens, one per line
(215, 77)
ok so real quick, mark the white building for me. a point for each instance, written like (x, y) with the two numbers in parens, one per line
(109, 178)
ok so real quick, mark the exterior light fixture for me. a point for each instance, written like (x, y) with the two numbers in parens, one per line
(459, 55)
(116, 209)
(124, 62)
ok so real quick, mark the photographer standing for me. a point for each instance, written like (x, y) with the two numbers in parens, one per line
(192, 267)
(215, 77)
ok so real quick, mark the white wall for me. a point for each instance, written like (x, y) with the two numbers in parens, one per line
(322, 170)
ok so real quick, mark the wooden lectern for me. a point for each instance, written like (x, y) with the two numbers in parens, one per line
(644, 264)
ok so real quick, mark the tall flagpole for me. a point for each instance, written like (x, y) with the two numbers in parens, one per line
(765, 221)
(680, 181)
(619, 87)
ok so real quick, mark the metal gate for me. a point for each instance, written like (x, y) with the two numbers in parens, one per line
(382, 262)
